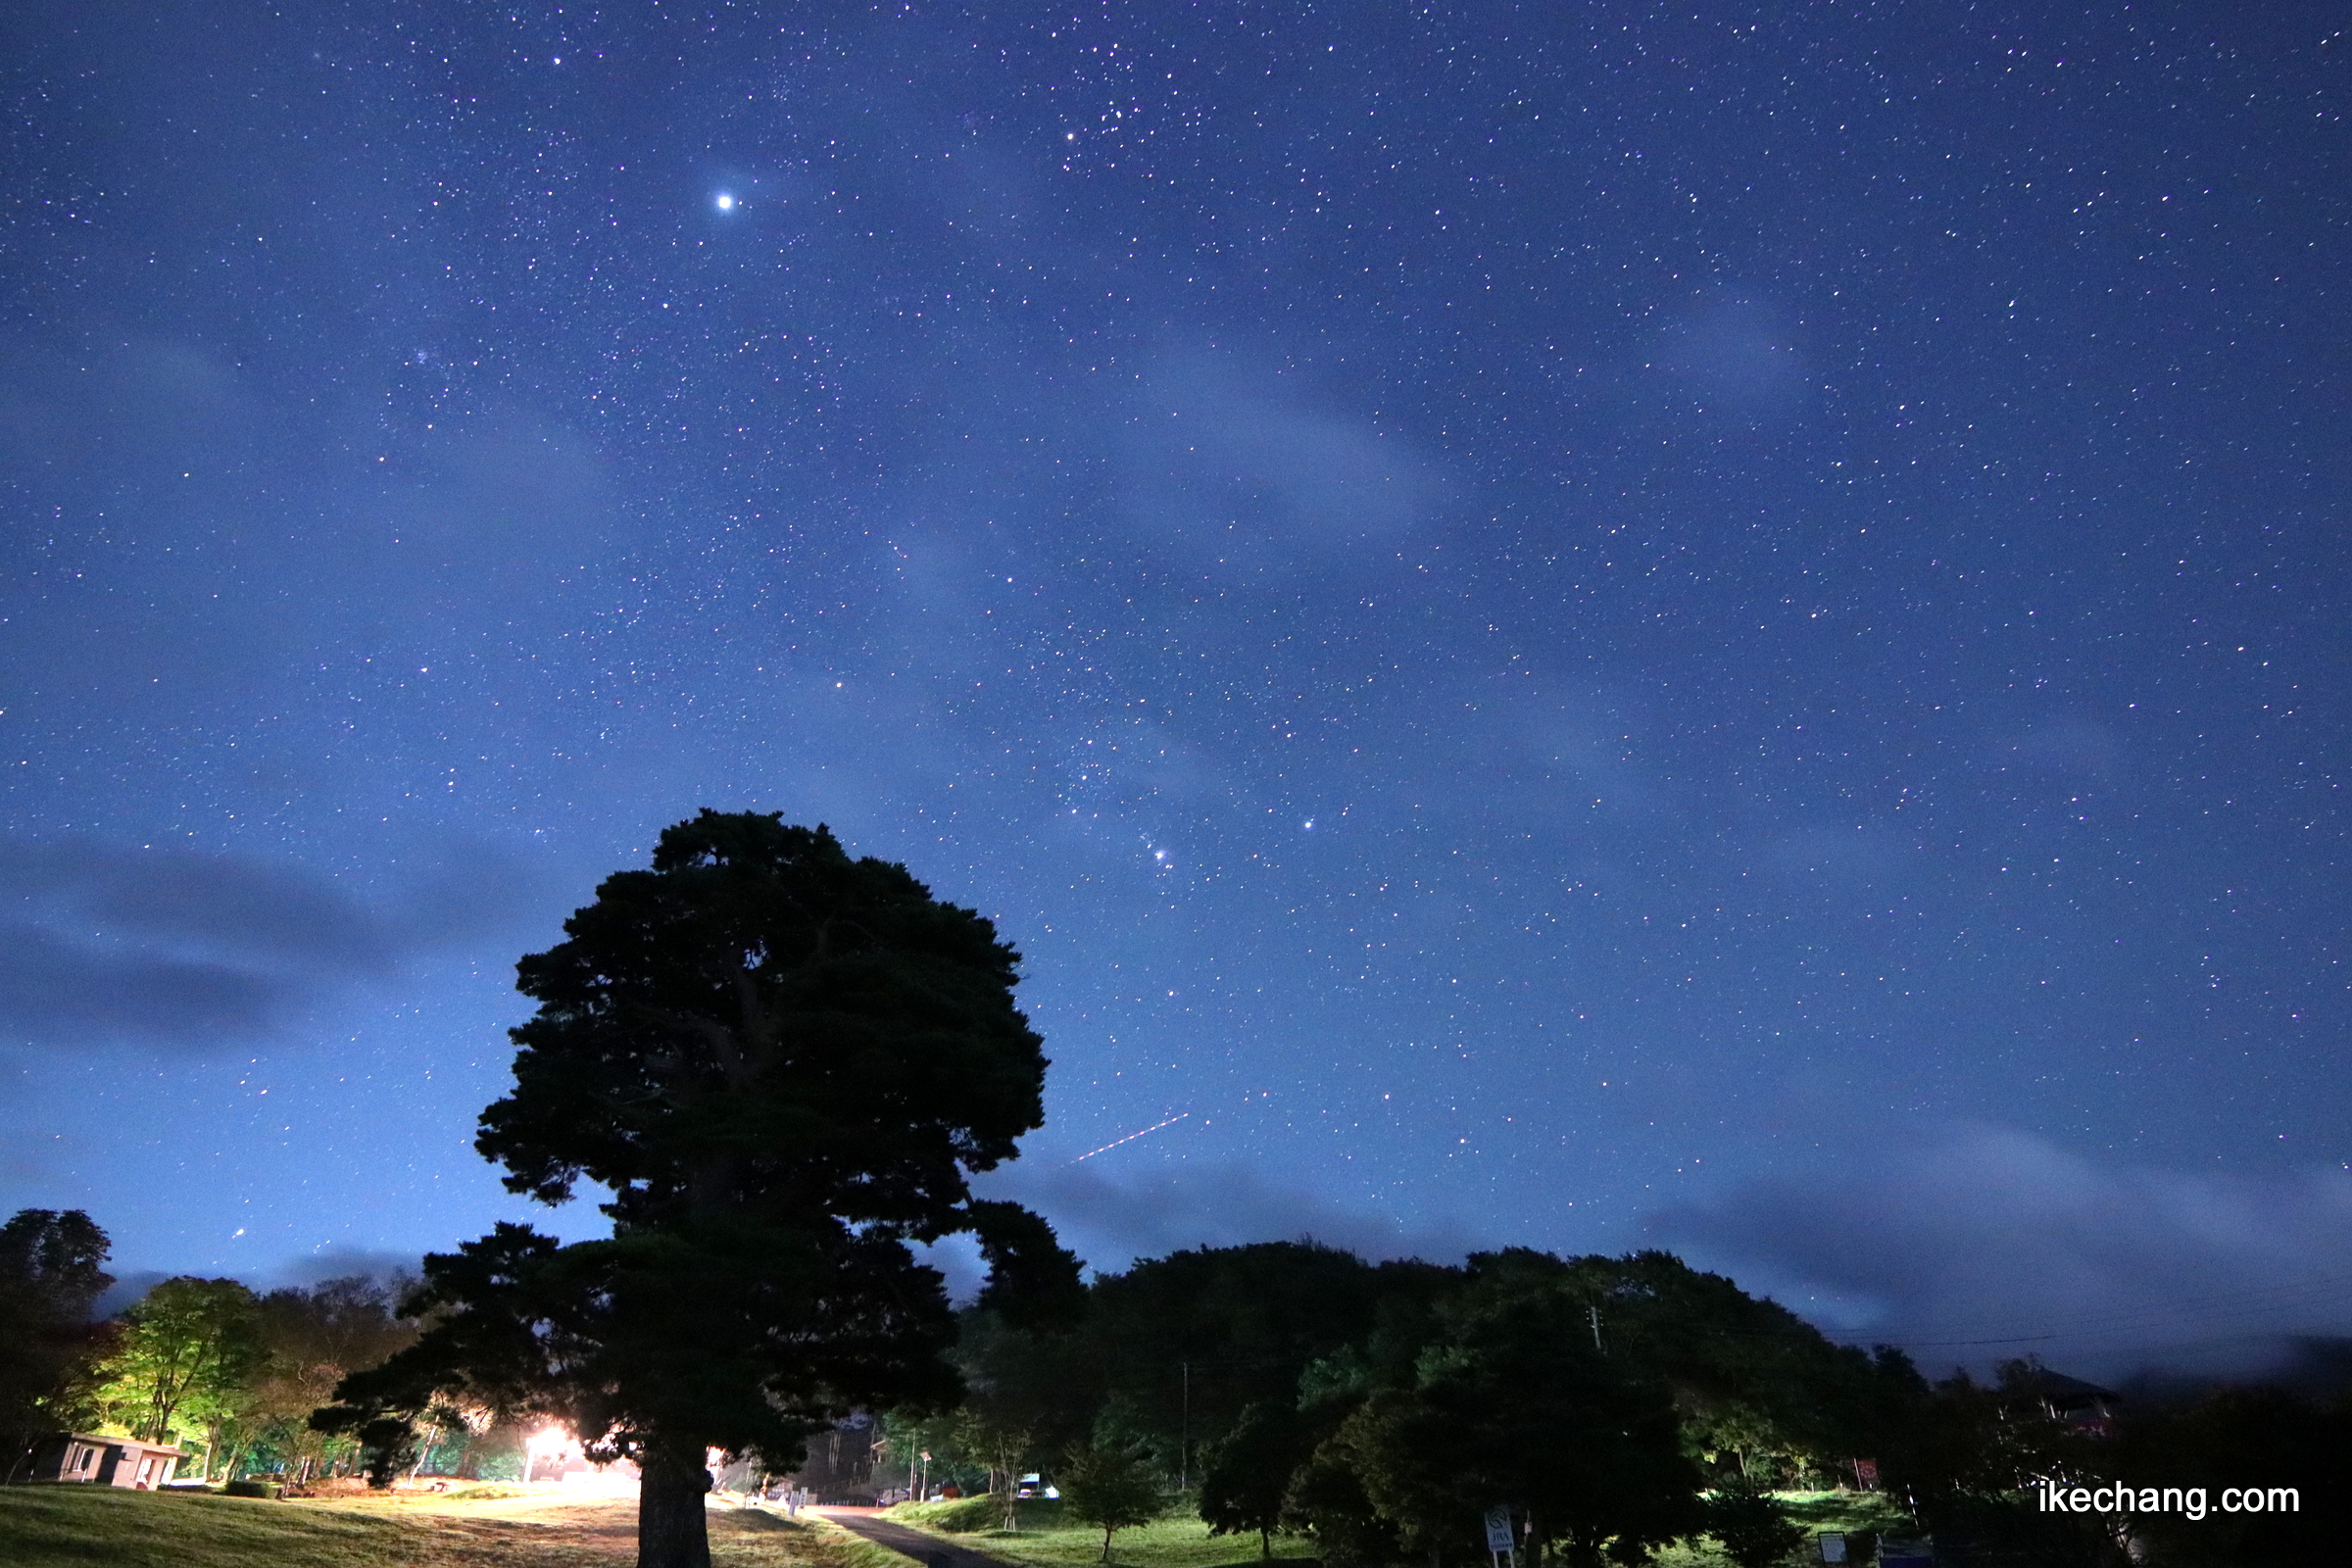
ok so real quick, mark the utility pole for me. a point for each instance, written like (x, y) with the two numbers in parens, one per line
(1595, 1308)
(1184, 1442)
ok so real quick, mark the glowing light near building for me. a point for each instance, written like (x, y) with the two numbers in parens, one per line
(553, 1444)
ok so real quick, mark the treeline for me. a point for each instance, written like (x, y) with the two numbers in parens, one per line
(1613, 1404)
(230, 1374)
(1610, 1404)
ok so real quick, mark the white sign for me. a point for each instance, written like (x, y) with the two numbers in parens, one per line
(1499, 1530)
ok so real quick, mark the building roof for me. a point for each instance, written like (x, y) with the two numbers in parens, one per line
(106, 1440)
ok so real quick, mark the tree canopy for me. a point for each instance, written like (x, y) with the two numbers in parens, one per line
(1249, 1475)
(783, 1064)
(312, 1339)
(52, 1272)
(188, 1348)
(1512, 1406)
(1382, 1407)
(1108, 1485)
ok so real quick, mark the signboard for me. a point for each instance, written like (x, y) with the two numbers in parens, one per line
(1833, 1547)
(1866, 1474)
(1499, 1530)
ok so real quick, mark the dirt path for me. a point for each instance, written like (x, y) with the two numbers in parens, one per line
(929, 1551)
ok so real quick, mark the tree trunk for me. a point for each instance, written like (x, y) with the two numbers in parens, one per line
(673, 1531)
(425, 1452)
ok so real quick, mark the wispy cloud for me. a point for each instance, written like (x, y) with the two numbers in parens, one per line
(1989, 1243)
(106, 944)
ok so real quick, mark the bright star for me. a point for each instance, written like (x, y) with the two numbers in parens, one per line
(726, 203)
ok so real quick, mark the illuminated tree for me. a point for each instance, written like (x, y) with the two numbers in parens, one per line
(187, 1351)
(783, 1064)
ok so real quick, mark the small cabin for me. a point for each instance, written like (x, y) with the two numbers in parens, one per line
(124, 1462)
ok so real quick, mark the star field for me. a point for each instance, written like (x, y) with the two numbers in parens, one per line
(1545, 622)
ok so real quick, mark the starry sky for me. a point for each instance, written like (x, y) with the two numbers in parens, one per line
(1589, 626)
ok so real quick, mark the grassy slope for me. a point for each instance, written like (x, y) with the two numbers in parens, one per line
(79, 1527)
(1176, 1539)
(76, 1527)
(1180, 1540)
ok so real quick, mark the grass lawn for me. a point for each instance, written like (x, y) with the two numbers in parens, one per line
(78, 1527)
(1846, 1512)
(1176, 1539)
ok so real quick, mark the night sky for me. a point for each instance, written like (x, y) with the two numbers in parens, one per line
(1583, 625)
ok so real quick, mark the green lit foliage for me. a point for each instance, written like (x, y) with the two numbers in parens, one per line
(1110, 1487)
(1759, 1389)
(188, 1350)
(1755, 1531)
